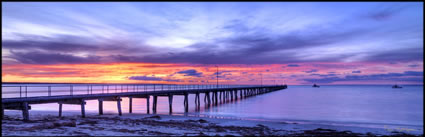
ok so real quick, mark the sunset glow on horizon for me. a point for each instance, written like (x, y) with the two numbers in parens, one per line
(206, 74)
(182, 43)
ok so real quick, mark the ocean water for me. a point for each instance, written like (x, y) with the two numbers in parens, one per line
(378, 105)
(350, 104)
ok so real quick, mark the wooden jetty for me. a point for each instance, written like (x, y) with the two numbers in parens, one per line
(212, 96)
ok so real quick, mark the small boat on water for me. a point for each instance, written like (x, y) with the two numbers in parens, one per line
(397, 86)
(316, 86)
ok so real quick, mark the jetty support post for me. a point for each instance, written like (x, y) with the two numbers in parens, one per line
(205, 98)
(147, 104)
(25, 112)
(119, 106)
(130, 107)
(83, 111)
(209, 98)
(155, 100)
(223, 98)
(231, 95)
(198, 100)
(100, 106)
(186, 102)
(216, 97)
(60, 109)
(240, 93)
(220, 96)
(170, 102)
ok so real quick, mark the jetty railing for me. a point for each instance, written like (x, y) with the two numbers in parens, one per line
(32, 90)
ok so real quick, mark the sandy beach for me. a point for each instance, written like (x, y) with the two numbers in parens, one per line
(47, 123)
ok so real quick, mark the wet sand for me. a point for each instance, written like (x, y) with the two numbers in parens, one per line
(47, 123)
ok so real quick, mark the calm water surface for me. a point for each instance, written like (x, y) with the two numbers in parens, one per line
(379, 105)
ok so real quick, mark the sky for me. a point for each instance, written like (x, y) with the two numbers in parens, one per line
(295, 43)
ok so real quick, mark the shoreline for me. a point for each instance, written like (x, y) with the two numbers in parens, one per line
(47, 123)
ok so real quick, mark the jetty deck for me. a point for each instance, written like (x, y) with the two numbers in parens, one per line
(78, 94)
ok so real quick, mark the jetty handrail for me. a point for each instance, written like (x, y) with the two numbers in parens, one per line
(23, 91)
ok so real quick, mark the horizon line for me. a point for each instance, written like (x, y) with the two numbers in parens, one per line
(200, 84)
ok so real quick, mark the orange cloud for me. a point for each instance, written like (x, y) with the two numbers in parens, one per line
(206, 74)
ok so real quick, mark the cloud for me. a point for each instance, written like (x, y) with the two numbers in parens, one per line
(241, 42)
(63, 49)
(386, 12)
(237, 49)
(48, 46)
(221, 72)
(224, 73)
(358, 71)
(414, 73)
(311, 71)
(51, 58)
(413, 65)
(147, 78)
(321, 75)
(73, 44)
(413, 76)
(258, 47)
(46, 73)
(402, 55)
(338, 65)
(190, 72)
(293, 65)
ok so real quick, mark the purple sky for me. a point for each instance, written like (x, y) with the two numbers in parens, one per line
(225, 33)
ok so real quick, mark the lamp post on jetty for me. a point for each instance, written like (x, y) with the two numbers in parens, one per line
(217, 75)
